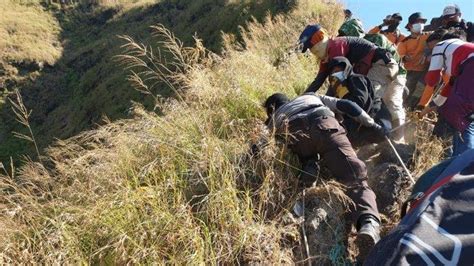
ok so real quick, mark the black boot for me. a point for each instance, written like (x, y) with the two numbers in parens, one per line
(368, 234)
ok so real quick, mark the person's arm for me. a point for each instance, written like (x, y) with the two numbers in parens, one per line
(375, 29)
(426, 96)
(401, 37)
(319, 80)
(433, 76)
(440, 99)
(348, 108)
(331, 91)
(402, 49)
(359, 91)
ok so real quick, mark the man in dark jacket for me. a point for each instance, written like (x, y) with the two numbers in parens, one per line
(361, 53)
(451, 19)
(345, 84)
(366, 58)
(308, 125)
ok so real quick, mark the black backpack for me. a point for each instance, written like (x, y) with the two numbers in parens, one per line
(439, 228)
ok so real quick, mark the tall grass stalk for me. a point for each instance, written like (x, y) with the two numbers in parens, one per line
(23, 117)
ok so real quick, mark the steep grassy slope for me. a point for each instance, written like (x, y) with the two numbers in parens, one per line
(29, 42)
(86, 83)
(178, 187)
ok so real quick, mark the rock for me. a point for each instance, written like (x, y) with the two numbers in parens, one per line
(389, 183)
(325, 226)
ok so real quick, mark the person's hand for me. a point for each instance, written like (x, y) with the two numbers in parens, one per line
(426, 111)
(386, 21)
(406, 58)
(381, 130)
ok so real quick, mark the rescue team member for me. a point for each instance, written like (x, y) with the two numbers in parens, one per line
(456, 101)
(412, 53)
(309, 127)
(391, 32)
(345, 84)
(451, 19)
(366, 59)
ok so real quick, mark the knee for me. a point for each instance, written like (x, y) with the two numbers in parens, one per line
(360, 171)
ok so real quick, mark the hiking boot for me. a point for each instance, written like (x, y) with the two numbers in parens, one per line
(367, 236)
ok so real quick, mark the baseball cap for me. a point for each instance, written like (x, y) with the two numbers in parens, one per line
(397, 16)
(306, 35)
(451, 10)
(414, 18)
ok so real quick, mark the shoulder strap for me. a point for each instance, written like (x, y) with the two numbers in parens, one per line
(444, 53)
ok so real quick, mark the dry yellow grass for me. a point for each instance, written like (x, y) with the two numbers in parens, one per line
(178, 187)
(28, 33)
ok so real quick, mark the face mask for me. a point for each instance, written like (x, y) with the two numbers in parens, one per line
(320, 49)
(339, 75)
(417, 28)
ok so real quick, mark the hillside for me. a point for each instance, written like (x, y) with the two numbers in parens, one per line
(176, 184)
(65, 68)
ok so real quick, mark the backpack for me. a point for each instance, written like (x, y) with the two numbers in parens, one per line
(438, 229)
(352, 27)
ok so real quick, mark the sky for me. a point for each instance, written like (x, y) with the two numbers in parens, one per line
(372, 12)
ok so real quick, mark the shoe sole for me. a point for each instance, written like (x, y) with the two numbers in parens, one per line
(365, 243)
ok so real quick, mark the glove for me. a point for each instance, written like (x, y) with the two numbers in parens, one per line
(381, 130)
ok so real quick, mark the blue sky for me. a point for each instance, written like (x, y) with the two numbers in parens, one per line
(371, 12)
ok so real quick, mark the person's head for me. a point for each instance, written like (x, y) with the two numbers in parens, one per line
(454, 34)
(347, 14)
(393, 21)
(451, 14)
(416, 23)
(274, 102)
(314, 38)
(435, 37)
(340, 68)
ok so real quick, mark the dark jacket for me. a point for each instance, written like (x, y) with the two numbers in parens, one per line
(466, 27)
(438, 228)
(356, 88)
(359, 52)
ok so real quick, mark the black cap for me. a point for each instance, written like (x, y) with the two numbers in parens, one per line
(347, 12)
(415, 17)
(397, 16)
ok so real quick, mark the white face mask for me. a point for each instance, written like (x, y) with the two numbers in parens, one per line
(417, 28)
(320, 49)
(339, 75)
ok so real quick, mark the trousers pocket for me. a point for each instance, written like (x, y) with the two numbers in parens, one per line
(327, 124)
